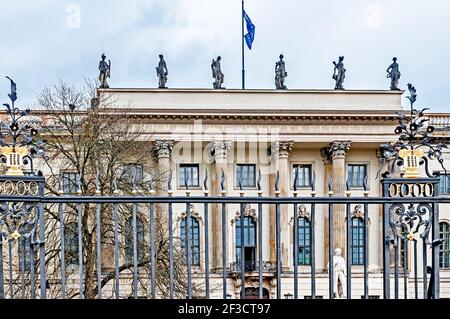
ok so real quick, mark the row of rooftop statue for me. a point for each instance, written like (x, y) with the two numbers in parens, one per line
(393, 73)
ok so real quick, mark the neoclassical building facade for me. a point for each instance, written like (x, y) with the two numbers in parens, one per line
(249, 141)
(260, 143)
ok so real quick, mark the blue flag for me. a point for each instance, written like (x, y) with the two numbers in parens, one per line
(250, 36)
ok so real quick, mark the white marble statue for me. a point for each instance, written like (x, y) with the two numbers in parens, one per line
(339, 273)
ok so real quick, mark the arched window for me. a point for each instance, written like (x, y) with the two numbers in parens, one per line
(129, 240)
(304, 241)
(249, 242)
(357, 241)
(444, 248)
(194, 239)
(71, 244)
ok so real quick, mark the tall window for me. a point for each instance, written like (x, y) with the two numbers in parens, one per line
(129, 170)
(249, 242)
(191, 170)
(129, 249)
(304, 175)
(248, 173)
(194, 239)
(357, 241)
(71, 244)
(356, 174)
(444, 248)
(25, 254)
(69, 182)
(304, 241)
(445, 184)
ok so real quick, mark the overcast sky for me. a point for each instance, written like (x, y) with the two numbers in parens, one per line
(43, 41)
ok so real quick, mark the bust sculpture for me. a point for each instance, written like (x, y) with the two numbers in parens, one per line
(105, 72)
(339, 73)
(339, 273)
(162, 72)
(217, 73)
(393, 72)
(280, 74)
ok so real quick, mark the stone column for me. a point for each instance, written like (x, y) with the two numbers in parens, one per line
(162, 151)
(327, 174)
(338, 151)
(280, 153)
(220, 151)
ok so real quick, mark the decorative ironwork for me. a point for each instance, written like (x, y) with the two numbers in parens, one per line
(17, 220)
(18, 144)
(252, 266)
(415, 145)
(409, 220)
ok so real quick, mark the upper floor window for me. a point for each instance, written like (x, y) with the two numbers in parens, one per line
(246, 172)
(445, 184)
(444, 248)
(189, 173)
(358, 246)
(70, 182)
(304, 175)
(194, 239)
(131, 170)
(356, 174)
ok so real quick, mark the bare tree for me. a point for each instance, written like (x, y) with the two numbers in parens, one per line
(88, 138)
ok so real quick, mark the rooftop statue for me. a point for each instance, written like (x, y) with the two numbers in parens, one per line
(105, 72)
(393, 72)
(217, 73)
(162, 72)
(339, 73)
(280, 74)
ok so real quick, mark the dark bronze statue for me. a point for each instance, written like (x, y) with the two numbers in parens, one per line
(339, 73)
(393, 72)
(280, 74)
(105, 72)
(217, 73)
(162, 72)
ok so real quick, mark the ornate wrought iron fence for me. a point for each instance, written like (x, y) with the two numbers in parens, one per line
(410, 214)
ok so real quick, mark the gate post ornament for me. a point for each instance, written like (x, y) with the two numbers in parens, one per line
(415, 145)
(18, 144)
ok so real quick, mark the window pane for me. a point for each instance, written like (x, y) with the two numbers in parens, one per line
(248, 173)
(356, 175)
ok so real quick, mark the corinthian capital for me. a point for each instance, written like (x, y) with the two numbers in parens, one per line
(162, 149)
(281, 149)
(339, 148)
(220, 149)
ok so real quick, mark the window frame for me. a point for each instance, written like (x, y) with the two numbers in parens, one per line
(237, 230)
(180, 184)
(292, 176)
(195, 245)
(444, 184)
(444, 248)
(71, 261)
(360, 229)
(366, 164)
(140, 239)
(306, 256)
(236, 179)
(65, 180)
(129, 179)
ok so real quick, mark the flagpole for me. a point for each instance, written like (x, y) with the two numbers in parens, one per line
(243, 51)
